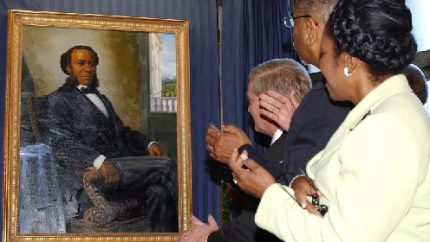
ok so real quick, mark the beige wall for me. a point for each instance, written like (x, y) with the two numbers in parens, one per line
(117, 70)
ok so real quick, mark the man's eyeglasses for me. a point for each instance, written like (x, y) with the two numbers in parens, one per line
(289, 21)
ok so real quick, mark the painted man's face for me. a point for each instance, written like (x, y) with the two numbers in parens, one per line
(82, 66)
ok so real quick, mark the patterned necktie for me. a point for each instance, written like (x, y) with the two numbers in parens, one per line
(86, 90)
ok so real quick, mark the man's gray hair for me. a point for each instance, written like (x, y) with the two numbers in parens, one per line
(320, 9)
(282, 76)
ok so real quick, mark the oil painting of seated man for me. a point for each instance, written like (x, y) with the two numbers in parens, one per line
(112, 172)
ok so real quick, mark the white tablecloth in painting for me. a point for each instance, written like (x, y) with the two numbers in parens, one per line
(41, 206)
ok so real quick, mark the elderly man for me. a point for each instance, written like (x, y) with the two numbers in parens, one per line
(81, 126)
(290, 79)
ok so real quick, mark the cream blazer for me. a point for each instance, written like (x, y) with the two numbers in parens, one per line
(374, 176)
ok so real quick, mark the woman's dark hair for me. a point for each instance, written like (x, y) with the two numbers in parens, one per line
(376, 31)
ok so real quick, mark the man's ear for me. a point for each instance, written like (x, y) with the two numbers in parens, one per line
(311, 31)
(69, 70)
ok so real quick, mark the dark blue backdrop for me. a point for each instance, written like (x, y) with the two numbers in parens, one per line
(253, 33)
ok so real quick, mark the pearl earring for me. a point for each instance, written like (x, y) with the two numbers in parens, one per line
(346, 72)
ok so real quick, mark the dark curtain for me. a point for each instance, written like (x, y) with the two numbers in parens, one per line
(253, 32)
(202, 18)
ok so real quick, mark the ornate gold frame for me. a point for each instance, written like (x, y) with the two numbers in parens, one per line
(20, 18)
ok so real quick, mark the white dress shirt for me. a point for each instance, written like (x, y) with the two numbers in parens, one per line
(98, 162)
(96, 101)
(276, 136)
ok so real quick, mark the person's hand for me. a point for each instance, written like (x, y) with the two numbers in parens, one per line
(222, 144)
(303, 187)
(199, 231)
(278, 107)
(110, 174)
(250, 177)
(155, 150)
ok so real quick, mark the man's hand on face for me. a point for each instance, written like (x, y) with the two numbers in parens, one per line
(222, 144)
(110, 174)
(155, 150)
(278, 107)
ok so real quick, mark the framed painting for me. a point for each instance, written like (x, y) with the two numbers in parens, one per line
(97, 128)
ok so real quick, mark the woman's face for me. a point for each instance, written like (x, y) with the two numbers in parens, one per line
(332, 67)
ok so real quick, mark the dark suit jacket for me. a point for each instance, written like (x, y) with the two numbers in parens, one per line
(275, 151)
(243, 227)
(79, 132)
(312, 125)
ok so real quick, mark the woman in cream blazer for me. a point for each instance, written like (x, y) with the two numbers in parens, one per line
(374, 174)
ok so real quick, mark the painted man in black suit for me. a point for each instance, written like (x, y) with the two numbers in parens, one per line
(81, 126)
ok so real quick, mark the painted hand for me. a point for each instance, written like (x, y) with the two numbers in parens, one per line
(155, 150)
(110, 174)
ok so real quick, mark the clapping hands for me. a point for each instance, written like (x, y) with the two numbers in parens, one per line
(222, 144)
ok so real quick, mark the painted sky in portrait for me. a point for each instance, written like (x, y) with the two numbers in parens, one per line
(168, 56)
